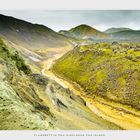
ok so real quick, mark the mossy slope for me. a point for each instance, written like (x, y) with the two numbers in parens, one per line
(107, 70)
(85, 32)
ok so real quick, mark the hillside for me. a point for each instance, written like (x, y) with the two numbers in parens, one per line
(32, 101)
(124, 34)
(30, 35)
(85, 32)
(114, 30)
(132, 35)
(106, 70)
(20, 102)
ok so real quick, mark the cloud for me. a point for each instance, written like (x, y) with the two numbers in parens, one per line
(100, 19)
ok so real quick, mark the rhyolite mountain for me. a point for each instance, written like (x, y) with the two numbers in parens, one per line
(84, 31)
(124, 33)
(106, 70)
(114, 30)
(132, 35)
(89, 33)
(30, 35)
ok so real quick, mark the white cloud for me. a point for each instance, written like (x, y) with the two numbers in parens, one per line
(59, 20)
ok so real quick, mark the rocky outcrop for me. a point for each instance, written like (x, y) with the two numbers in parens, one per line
(21, 106)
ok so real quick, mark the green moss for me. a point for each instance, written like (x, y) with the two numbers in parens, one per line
(99, 77)
(105, 70)
(8, 54)
(20, 63)
(130, 51)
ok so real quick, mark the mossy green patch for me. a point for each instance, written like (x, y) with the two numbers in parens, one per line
(105, 69)
(8, 54)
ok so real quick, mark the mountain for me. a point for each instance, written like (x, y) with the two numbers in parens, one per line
(125, 34)
(30, 35)
(85, 32)
(114, 30)
(132, 35)
(105, 70)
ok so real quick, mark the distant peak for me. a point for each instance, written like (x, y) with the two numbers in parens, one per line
(115, 29)
(83, 26)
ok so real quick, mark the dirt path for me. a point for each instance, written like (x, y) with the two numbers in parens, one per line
(128, 119)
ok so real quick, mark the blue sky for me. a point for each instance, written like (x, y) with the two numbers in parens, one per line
(63, 20)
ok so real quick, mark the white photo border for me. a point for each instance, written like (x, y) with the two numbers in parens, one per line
(70, 5)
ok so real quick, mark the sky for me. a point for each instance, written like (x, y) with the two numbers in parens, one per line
(64, 20)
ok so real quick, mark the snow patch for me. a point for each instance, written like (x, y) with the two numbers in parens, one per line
(34, 59)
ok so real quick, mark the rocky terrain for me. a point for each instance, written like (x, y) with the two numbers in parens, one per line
(108, 75)
(31, 101)
(80, 79)
(21, 106)
(107, 70)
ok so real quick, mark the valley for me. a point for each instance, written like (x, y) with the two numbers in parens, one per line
(72, 107)
(76, 79)
(124, 116)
